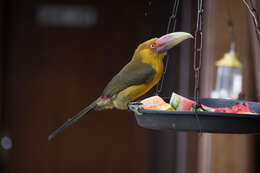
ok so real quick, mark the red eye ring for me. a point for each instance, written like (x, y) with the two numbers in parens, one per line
(152, 46)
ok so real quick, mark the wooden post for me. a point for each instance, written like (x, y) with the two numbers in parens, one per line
(255, 50)
(219, 152)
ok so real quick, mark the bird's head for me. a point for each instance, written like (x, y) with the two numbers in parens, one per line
(159, 46)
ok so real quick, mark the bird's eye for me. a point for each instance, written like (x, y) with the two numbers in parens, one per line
(152, 46)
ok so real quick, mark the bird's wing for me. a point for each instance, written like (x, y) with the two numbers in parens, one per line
(132, 74)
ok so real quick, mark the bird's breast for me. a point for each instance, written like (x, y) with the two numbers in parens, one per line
(158, 68)
(133, 92)
(157, 65)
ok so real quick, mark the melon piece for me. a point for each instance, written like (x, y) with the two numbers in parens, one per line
(241, 108)
(155, 103)
(181, 103)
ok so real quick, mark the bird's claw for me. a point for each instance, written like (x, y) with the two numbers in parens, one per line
(135, 106)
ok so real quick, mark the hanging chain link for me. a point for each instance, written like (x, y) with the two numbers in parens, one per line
(198, 43)
(171, 22)
(230, 26)
(254, 15)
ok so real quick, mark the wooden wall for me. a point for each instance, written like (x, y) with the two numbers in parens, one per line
(50, 73)
(53, 72)
(223, 152)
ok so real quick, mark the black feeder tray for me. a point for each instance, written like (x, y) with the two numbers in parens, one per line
(209, 122)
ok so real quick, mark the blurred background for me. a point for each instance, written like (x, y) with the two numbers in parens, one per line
(57, 56)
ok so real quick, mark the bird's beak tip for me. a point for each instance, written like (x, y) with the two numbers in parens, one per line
(186, 35)
(191, 36)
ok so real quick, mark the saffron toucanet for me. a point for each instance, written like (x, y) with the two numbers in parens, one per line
(136, 78)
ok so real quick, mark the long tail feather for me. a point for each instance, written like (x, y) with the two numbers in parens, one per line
(73, 119)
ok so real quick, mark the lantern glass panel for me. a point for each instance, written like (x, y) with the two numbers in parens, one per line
(229, 82)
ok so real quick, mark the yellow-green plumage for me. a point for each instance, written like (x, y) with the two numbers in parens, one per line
(135, 79)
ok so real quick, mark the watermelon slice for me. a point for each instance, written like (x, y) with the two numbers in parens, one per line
(180, 103)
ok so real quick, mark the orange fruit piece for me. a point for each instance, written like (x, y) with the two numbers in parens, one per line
(155, 103)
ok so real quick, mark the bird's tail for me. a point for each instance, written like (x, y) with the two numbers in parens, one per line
(73, 119)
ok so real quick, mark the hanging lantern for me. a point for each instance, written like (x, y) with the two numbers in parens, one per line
(229, 76)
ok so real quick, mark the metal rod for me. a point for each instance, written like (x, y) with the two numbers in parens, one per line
(254, 15)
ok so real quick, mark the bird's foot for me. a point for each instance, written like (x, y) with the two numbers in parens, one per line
(134, 106)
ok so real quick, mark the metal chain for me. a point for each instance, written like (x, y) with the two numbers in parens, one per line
(230, 26)
(171, 22)
(198, 36)
(254, 15)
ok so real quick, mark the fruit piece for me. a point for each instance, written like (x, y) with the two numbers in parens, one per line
(155, 103)
(238, 108)
(180, 103)
(226, 110)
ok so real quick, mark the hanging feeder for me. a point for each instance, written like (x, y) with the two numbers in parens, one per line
(204, 121)
(210, 122)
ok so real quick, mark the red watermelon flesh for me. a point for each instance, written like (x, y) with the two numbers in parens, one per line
(239, 107)
(183, 104)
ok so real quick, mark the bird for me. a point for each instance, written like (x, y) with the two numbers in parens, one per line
(136, 78)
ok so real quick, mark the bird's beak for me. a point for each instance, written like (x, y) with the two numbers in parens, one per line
(168, 41)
